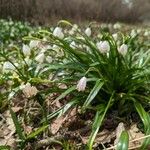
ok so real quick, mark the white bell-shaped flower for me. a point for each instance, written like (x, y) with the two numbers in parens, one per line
(40, 58)
(26, 50)
(8, 66)
(123, 49)
(58, 32)
(88, 31)
(103, 46)
(73, 44)
(82, 84)
(33, 43)
(115, 36)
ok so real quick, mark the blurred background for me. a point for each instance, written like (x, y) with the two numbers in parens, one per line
(43, 12)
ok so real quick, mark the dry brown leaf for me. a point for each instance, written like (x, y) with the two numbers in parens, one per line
(16, 109)
(57, 123)
(135, 133)
(119, 130)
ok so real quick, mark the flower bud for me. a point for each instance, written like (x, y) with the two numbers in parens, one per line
(88, 31)
(58, 33)
(26, 50)
(40, 58)
(81, 84)
(123, 49)
(33, 43)
(8, 66)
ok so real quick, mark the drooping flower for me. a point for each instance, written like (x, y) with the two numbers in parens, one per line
(73, 44)
(26, 50)
(40, 58)
(115, 36)
(29, 90)
(81, 84)
(103, 46)
(8, 66)
(58, 32)
(123, 49)
(33, 43)
(88, 31)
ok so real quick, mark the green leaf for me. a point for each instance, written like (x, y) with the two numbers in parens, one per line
(123, 141)
(64, 94)
(62, 110)
(4, 147)
(145, 117)
(93, 93)
(17, 125)
(64, 22)
(98, 121)
(37, 132)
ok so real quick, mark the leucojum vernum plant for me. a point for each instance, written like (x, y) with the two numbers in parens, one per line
(101, 74)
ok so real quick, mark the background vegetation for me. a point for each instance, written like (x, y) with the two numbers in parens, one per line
(46, 11)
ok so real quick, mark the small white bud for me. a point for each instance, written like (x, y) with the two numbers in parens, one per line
(40, 58)
(88, 31)
(8, 66)
(81, 84)
(26, 50)
(115, 36)
(103, 46)
(123, 49)
(33, 43)
(73, 44)
(58, 32)
(49, 59)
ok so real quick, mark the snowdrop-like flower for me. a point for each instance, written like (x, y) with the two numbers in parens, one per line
(117, 26)
(49, 59)
(58, 32)
(26, 50)
(88, 31)
(123, 49)
(81, 84)
(33, 43)
(40, 58)
(28, 61)
(29, 90)
(73, 44)
(8, 66)
(103, 46)
(133, 33)
(115, 36)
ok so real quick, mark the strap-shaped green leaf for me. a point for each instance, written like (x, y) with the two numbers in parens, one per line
(37, 132)
(145, 117)
(93, 93)
(17, 125)
(123, 141)
(98, 121)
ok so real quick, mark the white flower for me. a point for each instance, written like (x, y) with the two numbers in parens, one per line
(123, 49)
(81, 84)
(117, 26)
(133, 33)
(33, 43)
(88, 31)
(115, 36)
(8, 66)
(58, 32)
(103, 46)
(73, 44)
(26, 50)
(49, 59)
(40, 58)
(29, 90)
